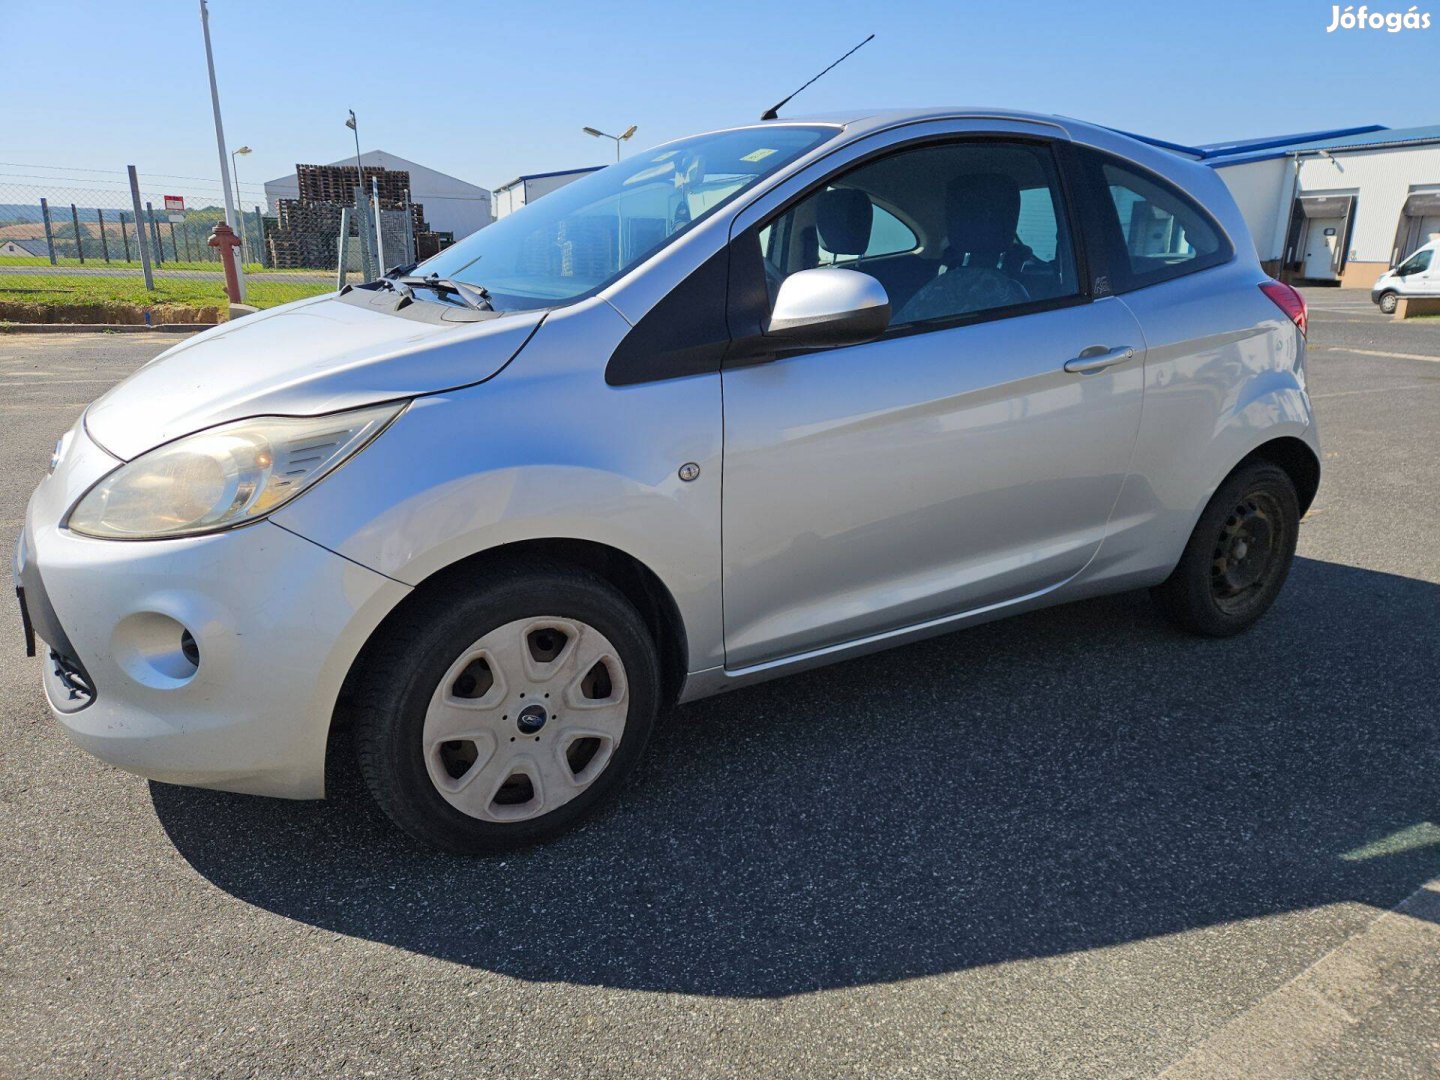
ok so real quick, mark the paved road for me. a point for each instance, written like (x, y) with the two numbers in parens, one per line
(163, 271)
(1072, 844)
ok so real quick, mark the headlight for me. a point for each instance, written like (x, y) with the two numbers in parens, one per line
(224, 476)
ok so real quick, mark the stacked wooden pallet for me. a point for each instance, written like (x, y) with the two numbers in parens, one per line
(308, 227)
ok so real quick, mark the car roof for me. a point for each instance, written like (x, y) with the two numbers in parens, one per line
(891, 116)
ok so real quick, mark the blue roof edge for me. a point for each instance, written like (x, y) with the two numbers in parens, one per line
(542, 175)
(1246, 146)
(1246, 151)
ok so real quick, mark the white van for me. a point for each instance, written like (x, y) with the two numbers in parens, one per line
(1419, 275)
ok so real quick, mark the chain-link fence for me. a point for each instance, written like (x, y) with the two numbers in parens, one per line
(75, 248)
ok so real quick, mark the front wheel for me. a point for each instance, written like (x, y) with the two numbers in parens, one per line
(500, 714)
(1239, 555)
(1389, 301)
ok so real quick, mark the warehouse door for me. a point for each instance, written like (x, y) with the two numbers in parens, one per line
(1319, 235)
(1419, 223)
(1322, 248)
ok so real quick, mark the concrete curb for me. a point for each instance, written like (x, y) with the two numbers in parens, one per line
(103, 328)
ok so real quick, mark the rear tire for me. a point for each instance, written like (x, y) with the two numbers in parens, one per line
(1389, 301)
(477, 729)
(1239, 555)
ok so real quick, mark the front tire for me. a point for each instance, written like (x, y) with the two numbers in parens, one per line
(1389, 301)
(1239, 555)
(502, 711)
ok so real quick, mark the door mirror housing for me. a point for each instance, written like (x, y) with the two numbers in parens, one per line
(828, 306)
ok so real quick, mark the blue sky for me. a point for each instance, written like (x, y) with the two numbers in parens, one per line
(486, 91)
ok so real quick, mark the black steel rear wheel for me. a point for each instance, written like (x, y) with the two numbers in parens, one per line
(1239, 555)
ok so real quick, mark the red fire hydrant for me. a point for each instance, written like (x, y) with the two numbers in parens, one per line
(225, 239)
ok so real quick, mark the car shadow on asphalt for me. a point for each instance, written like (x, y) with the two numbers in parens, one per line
(1061, 781)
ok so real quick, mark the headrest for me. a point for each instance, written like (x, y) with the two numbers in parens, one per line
(844, 216)
(982, 210)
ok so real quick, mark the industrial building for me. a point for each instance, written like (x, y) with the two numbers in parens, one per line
(526, 189)
(451, 205)
(1340, 206)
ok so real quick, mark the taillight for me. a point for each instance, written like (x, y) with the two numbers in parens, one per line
(1290, 302)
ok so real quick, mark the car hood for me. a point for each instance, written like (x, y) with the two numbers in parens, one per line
(312, 357)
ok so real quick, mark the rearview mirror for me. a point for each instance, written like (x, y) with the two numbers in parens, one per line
(828, 306)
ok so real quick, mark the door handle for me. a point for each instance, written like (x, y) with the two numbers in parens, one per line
(1098, 358)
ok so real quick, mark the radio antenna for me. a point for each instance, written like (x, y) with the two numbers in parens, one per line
(773, 113)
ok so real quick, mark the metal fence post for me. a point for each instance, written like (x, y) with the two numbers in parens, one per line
(104, 243)
(49, 234)
(379, 233)
(409, 231)
(264, 259)
(124, 236)
(140, 232)
(158, 248)
(75, 220)
(344, 245)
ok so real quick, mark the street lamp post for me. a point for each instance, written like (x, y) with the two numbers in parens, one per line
(618, 138)
(359, 171)
(619, 214)
(219, 133)
(354, 126)
(239, 199)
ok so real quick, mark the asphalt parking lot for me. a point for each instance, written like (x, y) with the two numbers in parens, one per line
(1076, 843)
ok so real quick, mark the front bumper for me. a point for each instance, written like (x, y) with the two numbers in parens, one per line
(276, 622)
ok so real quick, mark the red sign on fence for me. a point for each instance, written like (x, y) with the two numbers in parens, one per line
(174, 202)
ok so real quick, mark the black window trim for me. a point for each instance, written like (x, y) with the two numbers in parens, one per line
(750, 345)
(1107, 236)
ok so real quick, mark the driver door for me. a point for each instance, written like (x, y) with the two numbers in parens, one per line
(954, 464)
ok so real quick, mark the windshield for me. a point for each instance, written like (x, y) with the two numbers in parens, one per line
(583, 236)
(1416, 263)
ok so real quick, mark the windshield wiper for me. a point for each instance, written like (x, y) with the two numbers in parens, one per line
(475, 296)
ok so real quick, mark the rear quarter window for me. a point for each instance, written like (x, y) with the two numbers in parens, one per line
(1150, 230)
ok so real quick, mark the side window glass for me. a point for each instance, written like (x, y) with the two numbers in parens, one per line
(1419, 262)
(950, 230)
(1162, 234)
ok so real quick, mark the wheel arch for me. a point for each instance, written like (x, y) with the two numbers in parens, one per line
(636, 581)
(1297, 459)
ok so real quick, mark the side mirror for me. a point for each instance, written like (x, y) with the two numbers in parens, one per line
(828, 306)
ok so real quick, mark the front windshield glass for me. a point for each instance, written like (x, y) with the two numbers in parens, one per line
(1416, 263)
(575, 240)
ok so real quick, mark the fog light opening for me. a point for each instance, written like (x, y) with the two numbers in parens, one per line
(156, 650)
(189, 648)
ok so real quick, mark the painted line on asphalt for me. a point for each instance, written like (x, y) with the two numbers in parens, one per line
(1375, 352)
(9, 383)
(1374, 390)
(1288, 1031)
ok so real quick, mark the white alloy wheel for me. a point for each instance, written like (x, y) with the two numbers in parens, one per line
(525, 719)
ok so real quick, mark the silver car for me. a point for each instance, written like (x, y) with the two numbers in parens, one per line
(741, 405)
